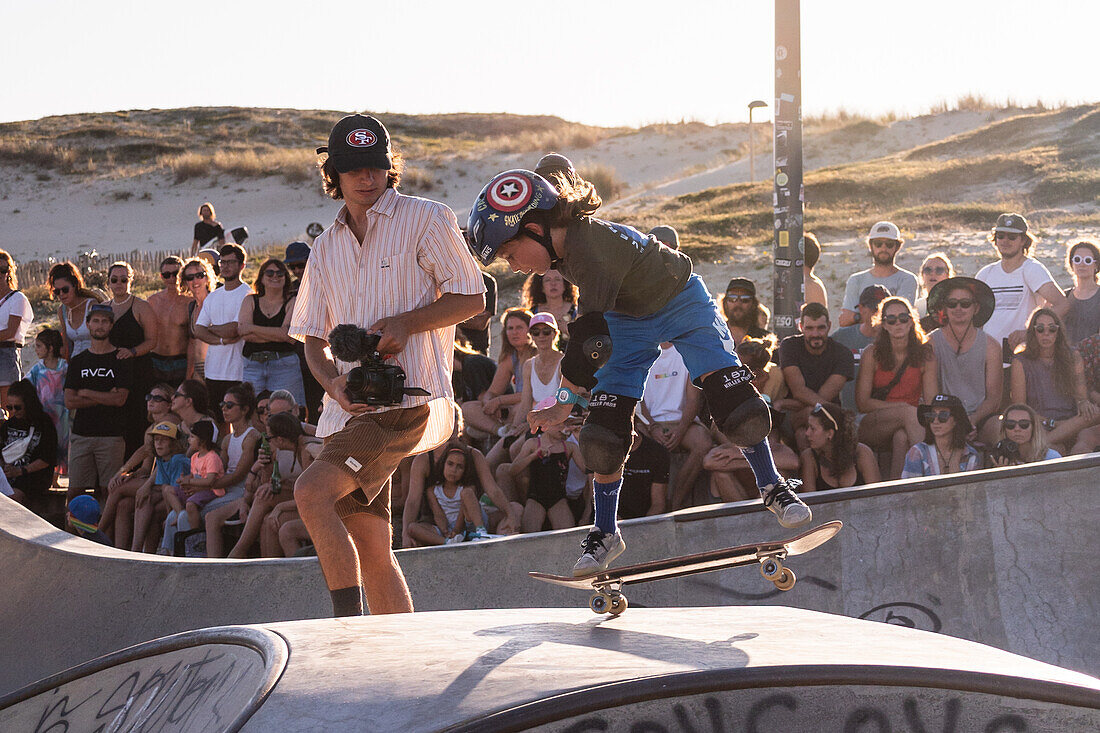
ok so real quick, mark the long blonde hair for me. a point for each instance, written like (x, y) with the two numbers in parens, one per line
(1036, 448)
(12, 277)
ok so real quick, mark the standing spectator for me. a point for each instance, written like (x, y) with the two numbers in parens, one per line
(476, 329)
(743, 311)
(30, 446)
(895, 372)
(134, 334)
(217, 326)
(944, 448)
(834, 458)
(645, 478)
(48, 378)
(1019, 282)
(812, 286)
(935, 268)
(1022, 438)
(551, 293)
(169, 306)
(969, 358)
(198, 280)
(670, 405)
(344, 496)
(1083, 315)
(1049, 377)
(207, 229)
(859, 336)
(814, 366)
(295, 259)
(97, 386)
(666, 235)
(68, 287)
(884, 242)
(271, 359)
(491, 411)
(16, 317)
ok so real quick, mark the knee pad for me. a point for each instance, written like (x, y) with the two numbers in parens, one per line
(608, 432)
(589, 349)
(737, 408)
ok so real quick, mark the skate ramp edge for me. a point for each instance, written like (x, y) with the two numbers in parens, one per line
(201, 681)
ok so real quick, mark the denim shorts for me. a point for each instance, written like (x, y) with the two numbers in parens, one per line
(10, 368)
(692, 323)
(284, 372)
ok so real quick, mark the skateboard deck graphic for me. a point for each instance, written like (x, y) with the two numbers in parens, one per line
(607, 596)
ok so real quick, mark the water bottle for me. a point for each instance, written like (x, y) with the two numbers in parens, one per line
(276, 476)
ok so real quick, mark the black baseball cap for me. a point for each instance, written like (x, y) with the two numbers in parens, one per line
(554, 162)
(742, 283)
(103, 309)
(359, 141)
(296, 252)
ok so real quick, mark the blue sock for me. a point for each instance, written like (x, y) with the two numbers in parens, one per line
(606, 500)
(763, 467)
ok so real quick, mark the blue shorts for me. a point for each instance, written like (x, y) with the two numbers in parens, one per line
(692, 323)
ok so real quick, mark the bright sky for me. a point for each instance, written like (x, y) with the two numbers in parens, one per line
(606, 62)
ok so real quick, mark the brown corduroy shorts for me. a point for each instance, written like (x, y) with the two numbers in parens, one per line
(369, 448)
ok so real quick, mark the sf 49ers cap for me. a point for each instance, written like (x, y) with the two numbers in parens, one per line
(359, 141)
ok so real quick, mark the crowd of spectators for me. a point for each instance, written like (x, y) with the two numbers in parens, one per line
(188, 415)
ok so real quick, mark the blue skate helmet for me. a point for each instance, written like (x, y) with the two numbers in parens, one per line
(497, 211)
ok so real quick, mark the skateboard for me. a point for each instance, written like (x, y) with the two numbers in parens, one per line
(607, 585)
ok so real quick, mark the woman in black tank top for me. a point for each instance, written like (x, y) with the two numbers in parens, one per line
(835, 460)
(270, 357)
(134, 335)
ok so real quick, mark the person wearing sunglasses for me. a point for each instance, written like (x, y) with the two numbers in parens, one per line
(895, 373)
(1082, 319)
(884, 242)
(197, 279)
(1022, 438)
(134, 334)
(217, 325)
(859, 335)
(542, 372)
(68, 288)
(969, 359)
(1050, 377)
(1020, 282)
(945, 448)
(936, 268)
(270, 352)
(239, 448)
(168, 359)
(743, 311)
(16, 316)
(551, 293)
(27, 424)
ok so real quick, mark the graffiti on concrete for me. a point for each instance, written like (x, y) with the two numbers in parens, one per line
(910, 615)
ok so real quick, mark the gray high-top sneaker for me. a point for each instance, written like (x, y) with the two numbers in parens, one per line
(598, 551)
(781, 500)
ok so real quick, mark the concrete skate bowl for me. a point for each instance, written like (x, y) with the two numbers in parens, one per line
(199, 682)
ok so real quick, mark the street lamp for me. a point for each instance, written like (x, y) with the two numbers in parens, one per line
(752, 143)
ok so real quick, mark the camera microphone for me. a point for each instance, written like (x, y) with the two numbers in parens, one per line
(348, 342)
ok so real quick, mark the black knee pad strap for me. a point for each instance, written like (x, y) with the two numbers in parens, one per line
(737, 408)
(608, 432)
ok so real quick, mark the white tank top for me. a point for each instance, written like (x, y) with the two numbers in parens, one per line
(236, 447)
(541, 390)
(80, 337)
(451, 506)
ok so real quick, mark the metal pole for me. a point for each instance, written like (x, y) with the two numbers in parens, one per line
(787, 150)
(752, 140)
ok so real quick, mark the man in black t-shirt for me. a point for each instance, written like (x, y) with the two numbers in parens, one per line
(476, 329)
(472, 373)
(207, 229)
(815, 368)
(96, 388)
(645, 479)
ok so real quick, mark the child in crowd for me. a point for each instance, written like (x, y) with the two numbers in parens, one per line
(169, 466)
(48, 378)
(206, 468)
(546, 456)
(453, 500)
(83, 519)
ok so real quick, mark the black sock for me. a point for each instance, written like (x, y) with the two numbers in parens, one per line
(347, 601)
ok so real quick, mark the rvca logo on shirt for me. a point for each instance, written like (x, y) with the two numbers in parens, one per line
(107, 372)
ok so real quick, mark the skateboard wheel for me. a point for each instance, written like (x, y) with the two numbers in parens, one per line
(770, 569)
(618, 604)
(785, 579)
(599, 603)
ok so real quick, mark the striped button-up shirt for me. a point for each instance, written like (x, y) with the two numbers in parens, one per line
(412, 253)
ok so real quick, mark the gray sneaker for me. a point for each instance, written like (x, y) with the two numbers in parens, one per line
(781, 500)
(598, 551)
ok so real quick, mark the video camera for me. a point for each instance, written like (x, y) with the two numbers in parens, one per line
(373, 382)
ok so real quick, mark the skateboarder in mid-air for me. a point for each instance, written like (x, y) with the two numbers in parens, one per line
(634, 294)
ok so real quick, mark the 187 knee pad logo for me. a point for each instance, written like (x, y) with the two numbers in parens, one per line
(604, 401)
(734, 377)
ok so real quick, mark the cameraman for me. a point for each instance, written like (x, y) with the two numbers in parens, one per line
(397, 266)
(1022, 438)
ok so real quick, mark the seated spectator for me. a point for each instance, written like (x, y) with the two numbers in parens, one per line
(756, 354)
(238, 454)
(172, 464)
(259, 417)
(452, 496)
(546, 458)
(743, 311)
(67, 286)
(542, 372)
(1050, 377)
(935, 269)
(645, 479)
(1083, 318)
(82, 519)
(486, 415)
(834, 458)
(859, 336)
(1022, 438)
(48, 378)
(551, 293)
(884, 242)
(476, 329)
(670, 410)
(731, 477)
(30, 447)
(944, 448)
(814, 366)
(283, 401)
(812, 286)
(191, 403)
(472, 373)
(969, 359)
(270, 352)
(895, 372)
